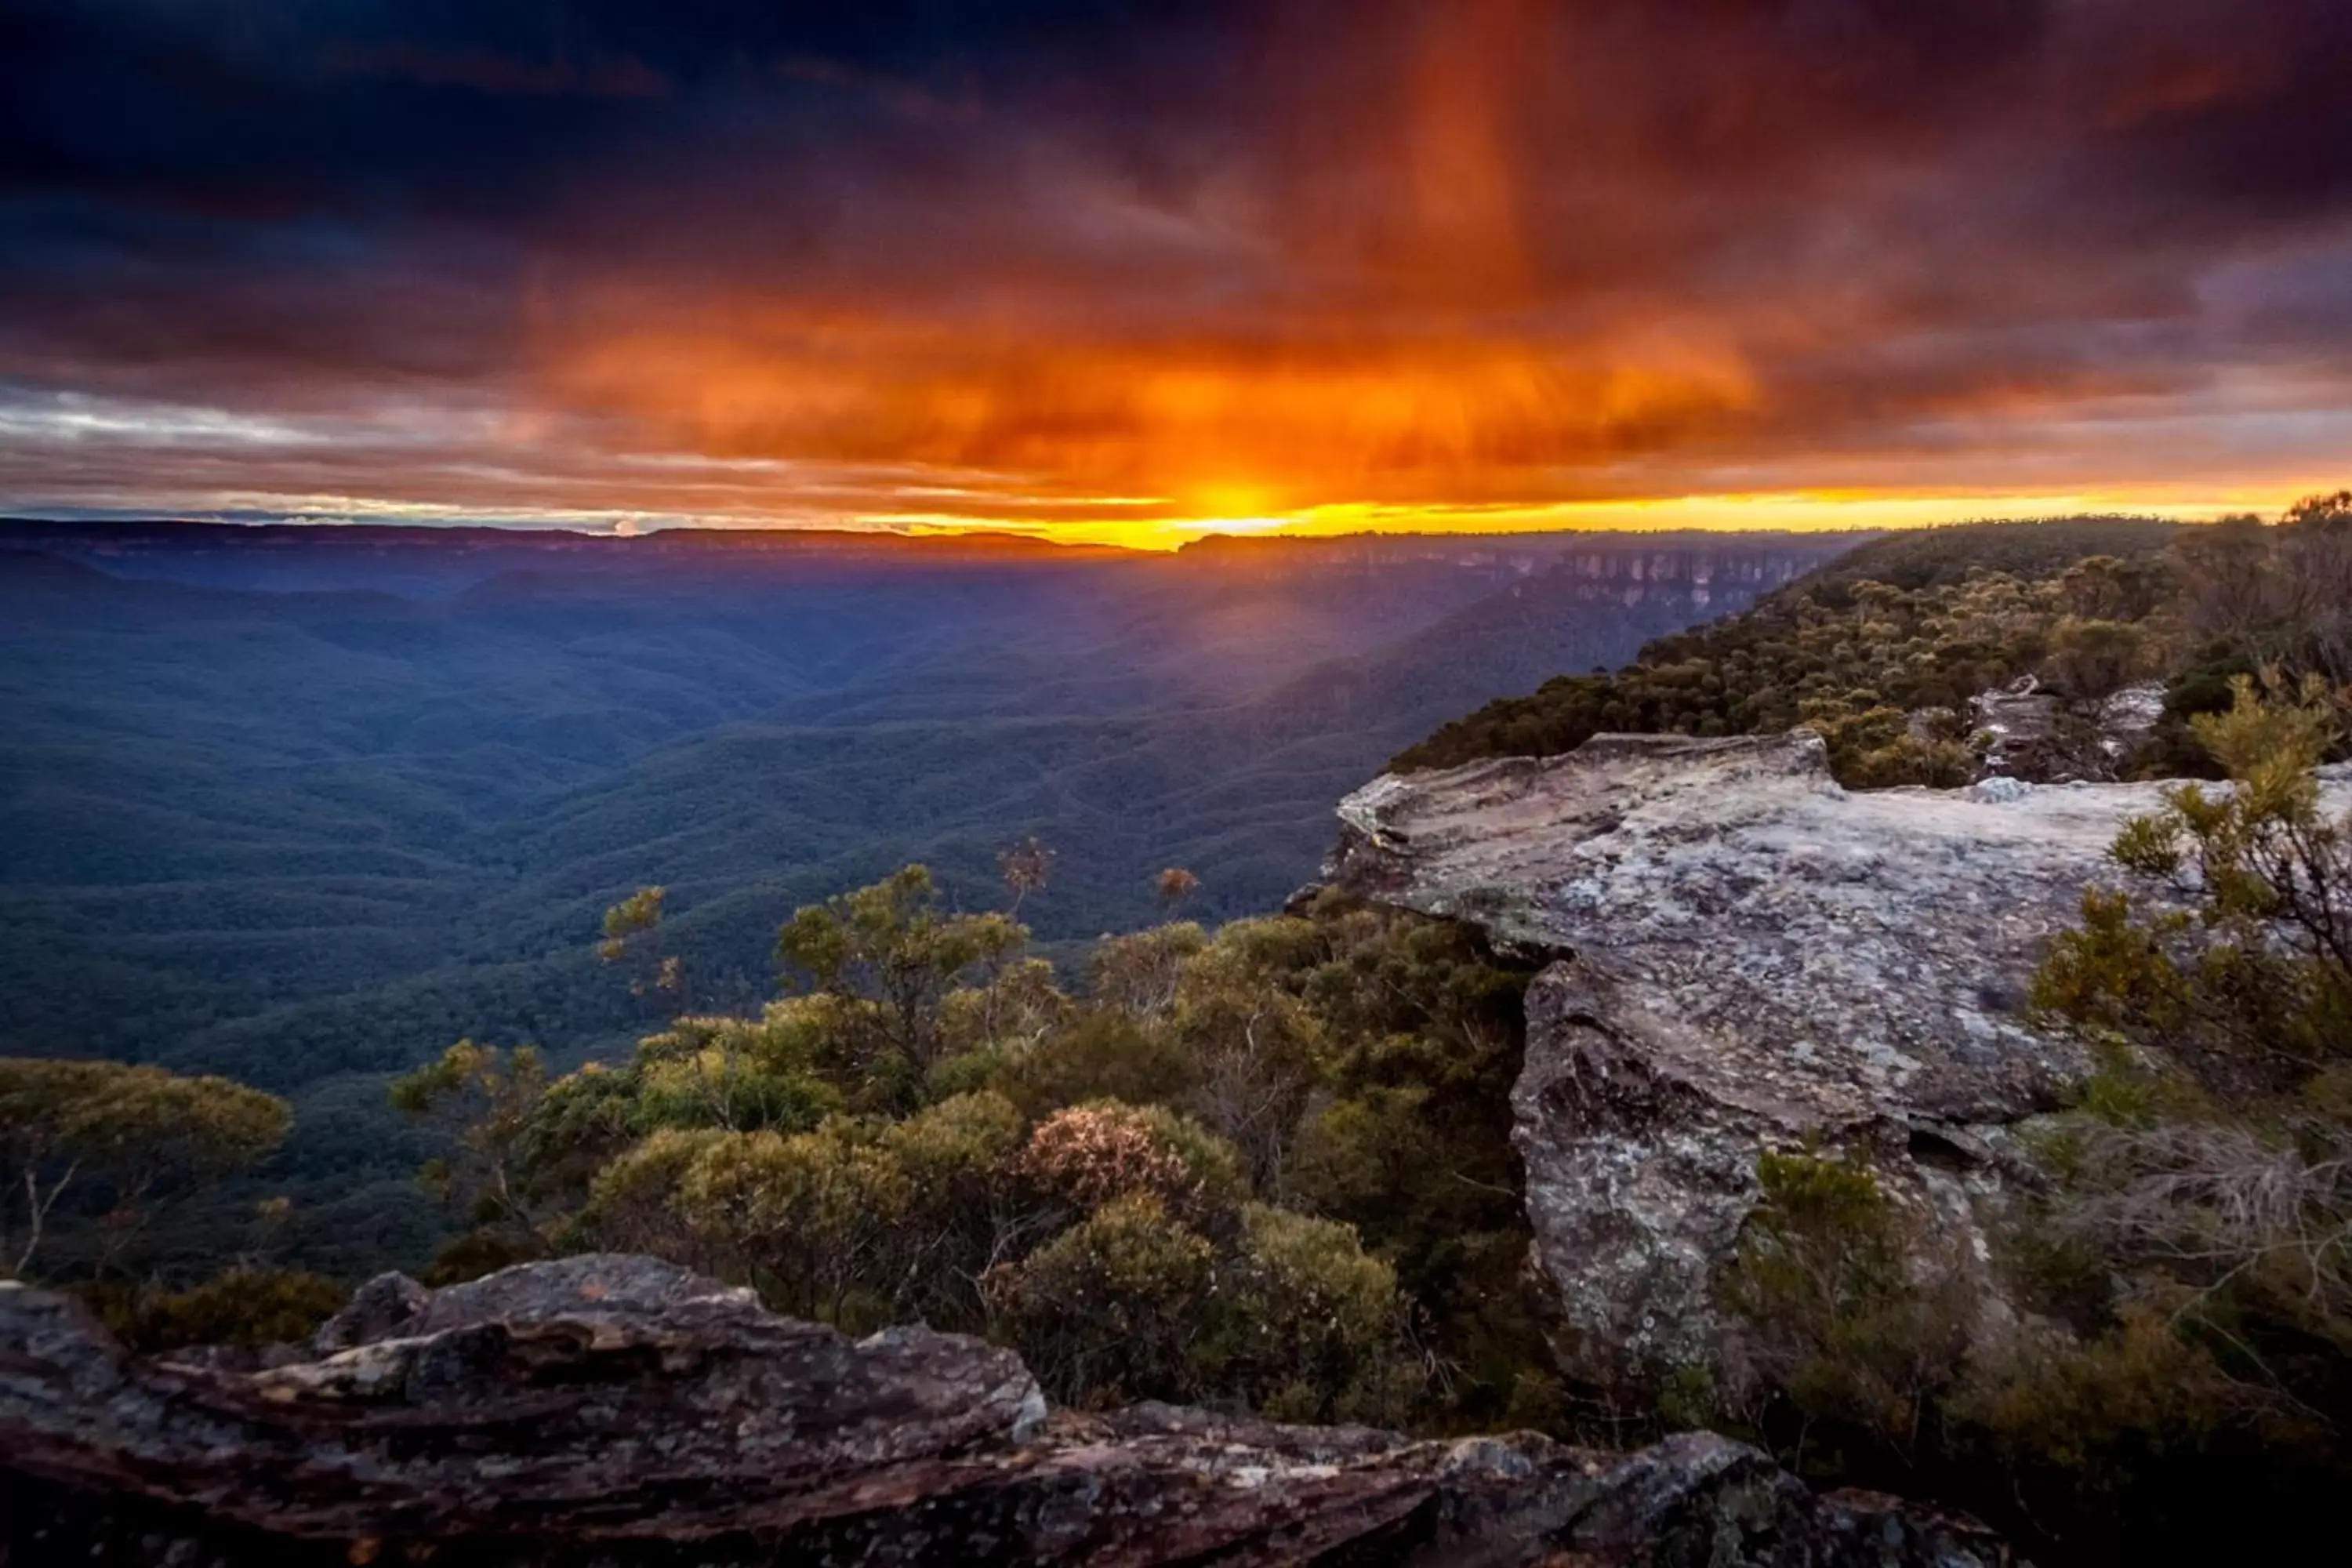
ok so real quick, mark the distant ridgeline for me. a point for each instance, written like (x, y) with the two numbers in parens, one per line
(425, 561)
(305, 805)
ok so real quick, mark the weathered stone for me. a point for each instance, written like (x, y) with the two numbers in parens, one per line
(378, 1310)
(2023, 731)
(2127, 722)
(1749, 958)
(620, 1411)
(2013, 725)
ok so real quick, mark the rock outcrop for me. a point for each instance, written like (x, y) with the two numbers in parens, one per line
(2022, 731)
(614, 1410)
(1745, 957)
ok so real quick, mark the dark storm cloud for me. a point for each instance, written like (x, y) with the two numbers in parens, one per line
(951, 260)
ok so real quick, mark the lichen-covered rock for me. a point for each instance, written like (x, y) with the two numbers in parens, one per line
(619, 1411)
(2023, 731)
(1747, 958)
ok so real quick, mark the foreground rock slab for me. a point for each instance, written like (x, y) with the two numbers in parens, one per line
(613, 1410)
(1744, 957)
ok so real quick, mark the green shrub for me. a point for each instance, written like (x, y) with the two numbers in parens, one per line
(1846, 1313)
(1309, 1327)
(631, 1204)
(1366, 1055)
(1110, 1310)
(1101, 1053)
(960, 1210)
(805, 1218)
(2195, 1234)
(246, 1307)
(714, 1086)
(142, 1135)
(1136, 975)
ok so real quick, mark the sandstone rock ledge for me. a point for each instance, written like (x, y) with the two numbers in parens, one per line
(614, 1410)
(1745, 957)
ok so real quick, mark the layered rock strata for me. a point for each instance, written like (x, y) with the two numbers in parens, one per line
(614, 1410)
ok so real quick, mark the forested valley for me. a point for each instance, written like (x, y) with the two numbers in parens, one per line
(1262, 1160)
(304, 805)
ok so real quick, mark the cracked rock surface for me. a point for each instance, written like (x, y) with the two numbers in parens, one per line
(618, 1410)
(1744, 956)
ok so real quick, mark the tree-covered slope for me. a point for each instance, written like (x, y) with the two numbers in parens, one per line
(257, 817)
(1883, 649)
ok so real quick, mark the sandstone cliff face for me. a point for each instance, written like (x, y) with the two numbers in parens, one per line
(1745, 957)
(612, 1410)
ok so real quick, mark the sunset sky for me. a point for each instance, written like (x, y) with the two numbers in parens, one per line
(1127, 272)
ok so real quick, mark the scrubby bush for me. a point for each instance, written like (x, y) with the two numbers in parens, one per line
(964, 1208)
(95, 1148)
(1137, 975)
(2201, 1224)
(1111, 1309)
(242, 1307)
(1092, 1154)
(887, 958)
(805, 1218)
(1101, 1052)
(1852, 1326)
(1309, 1327)
(1353, 1064)
(630, 1207)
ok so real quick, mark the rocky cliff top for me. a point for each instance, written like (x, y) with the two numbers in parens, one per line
(619, 1410)
(1746, 957)
(1865, 945)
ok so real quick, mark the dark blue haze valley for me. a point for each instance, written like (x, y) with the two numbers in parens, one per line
(304, 806)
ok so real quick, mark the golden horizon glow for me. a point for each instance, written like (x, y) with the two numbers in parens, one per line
(1162, 528)
(1792, 512)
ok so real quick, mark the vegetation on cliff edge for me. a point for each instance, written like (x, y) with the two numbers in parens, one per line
(1883, 650)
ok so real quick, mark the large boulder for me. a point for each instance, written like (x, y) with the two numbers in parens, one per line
(613, 1410)
(1744, 957)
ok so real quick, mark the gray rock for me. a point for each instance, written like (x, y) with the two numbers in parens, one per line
(614, 1411)
(2127, 720)
(377, 1310)
(1745, 957)
(2024, 732)
(2015, 726)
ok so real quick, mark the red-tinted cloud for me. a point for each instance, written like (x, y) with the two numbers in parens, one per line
(1063, 264)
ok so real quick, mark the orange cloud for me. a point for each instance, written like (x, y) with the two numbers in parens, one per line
(1338, 262)
(1299, 420)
